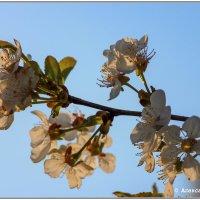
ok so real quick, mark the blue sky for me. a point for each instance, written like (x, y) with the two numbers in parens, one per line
(84, 30)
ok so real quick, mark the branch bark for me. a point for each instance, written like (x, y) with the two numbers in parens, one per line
(115, 111)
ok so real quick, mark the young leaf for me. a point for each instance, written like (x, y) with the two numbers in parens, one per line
(52, 69)
(66, 66)
(34, 65)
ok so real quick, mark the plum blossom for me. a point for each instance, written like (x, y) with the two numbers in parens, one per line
(42, 139)
(182, 144)
(121, 60)
(122, 55)
(146, 134)
(111, 79)
(58, 164)
(16, 89)
(16, 85)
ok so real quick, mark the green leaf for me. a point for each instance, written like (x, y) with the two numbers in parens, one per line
(4, 44)
(66, 66)
(34, 65)
(52, 69)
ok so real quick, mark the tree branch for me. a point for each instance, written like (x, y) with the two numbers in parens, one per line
(115, 111)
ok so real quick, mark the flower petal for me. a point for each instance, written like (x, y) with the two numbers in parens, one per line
(91, 161)
(83, 138)
(73, 179)
(158, 100)
(41, 115)
(196, 147)
(39, 152)
(6, 121)
(165, 116)
(71, 135)
(125, 65)
(169, 154)
(115, 90)
(62, 119)
(142, 43)
(83, 170)
(37, 135)
(171, 134)
(191, 168)
(107, 141)
(107, 162)
(149, 160)
(192, 127)
(140, 132)
(54, 167)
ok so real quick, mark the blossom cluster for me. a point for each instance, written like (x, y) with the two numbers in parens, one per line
(16, 85)
(124, 57)
(178, 145)
(69, 159)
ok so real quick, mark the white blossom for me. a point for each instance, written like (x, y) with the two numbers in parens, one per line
(15, 90)
(111, 79)
(41, 141)
(122, 55)
(57, 165)
(121, 59)
(182, 144)
(157, 114)
(146, 134)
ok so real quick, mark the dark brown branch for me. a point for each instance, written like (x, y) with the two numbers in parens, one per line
(114, 111)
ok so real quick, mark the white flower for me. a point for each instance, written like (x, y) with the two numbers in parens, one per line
(157, 114)
(122, 55)
(107, 162)
(146, 134)
(55, 166)
(9, 60)
(121, 60)
(130, 46)
(15, 90)
(111, 79)
(183, 146)
(41, 141)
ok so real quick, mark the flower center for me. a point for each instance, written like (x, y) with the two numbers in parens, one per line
(187, 144)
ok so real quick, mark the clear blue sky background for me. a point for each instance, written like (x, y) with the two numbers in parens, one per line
(84, 30)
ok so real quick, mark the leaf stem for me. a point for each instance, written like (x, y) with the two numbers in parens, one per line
(145, 83)
(46, 90)
(74, 128)
(86, 144)
(133, 88)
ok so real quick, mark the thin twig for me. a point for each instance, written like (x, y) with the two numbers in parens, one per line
(114, 111)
